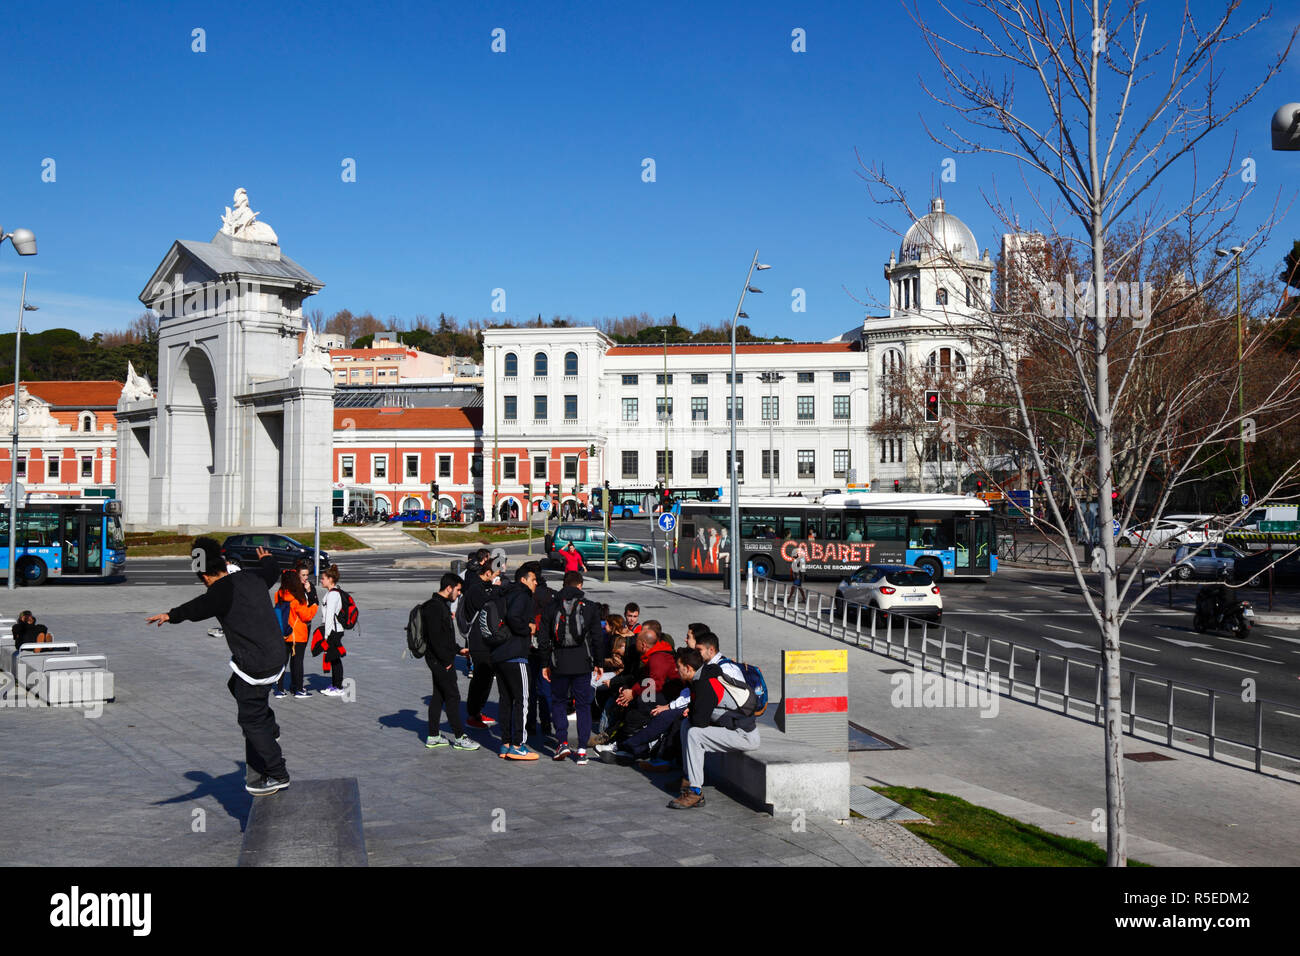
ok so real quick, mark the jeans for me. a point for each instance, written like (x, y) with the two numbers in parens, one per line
(578, 687)
(262, 755)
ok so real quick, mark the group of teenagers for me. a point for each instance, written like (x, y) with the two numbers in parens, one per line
(553, 654)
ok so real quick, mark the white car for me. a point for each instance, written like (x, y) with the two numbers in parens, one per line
(893, 587)
(1170, 531)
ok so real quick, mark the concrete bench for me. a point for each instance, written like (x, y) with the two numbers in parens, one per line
(783, 775)
(60, 676)
(310, 823)
(9, 654)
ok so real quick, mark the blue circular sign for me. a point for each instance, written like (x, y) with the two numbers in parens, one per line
(1245, 500)
(667, 521)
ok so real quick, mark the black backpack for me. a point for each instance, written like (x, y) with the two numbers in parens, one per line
(491, 623)
(415, 639)
(570, 624)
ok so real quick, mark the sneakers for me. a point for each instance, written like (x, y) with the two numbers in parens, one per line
(562, 751)
(436, 741)
(519, 753)
(266, 785)
(687, 801)
(302, 693)
(216, 632)
(504, 752)
(482, 721)
(332, 692)
(582, 757)
(279, 694)
(463, 742)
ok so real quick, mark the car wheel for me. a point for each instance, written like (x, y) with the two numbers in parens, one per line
(1124, 543)
(630, 562)
(762, 568)
(1183, 572)
(32, 571)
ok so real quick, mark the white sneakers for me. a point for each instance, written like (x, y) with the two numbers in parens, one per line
(332, 692)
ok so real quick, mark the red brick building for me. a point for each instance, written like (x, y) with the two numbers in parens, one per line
(67, 438)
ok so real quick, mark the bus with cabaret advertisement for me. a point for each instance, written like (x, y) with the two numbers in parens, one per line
(951, 536)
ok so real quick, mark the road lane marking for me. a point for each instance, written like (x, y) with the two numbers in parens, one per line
(1153, 650)
(1229, 666)
(1059, 628)
(1134, 660)
(1286, 712)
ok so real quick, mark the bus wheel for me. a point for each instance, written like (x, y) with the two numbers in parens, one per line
(934, 567)
(32, 571)
(762, 568)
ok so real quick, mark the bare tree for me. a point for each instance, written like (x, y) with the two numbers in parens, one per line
(1108, 125)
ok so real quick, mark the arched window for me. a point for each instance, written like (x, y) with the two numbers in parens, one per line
(570, 363)
(512, 365)
(891, 362)
(946, 361)
(941, 297)
(87, 422)
(539, 364)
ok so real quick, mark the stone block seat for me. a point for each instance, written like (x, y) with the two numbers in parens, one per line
(58, 673)
(783, 775)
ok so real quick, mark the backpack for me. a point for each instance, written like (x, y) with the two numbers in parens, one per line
(348, 612)
(461, 617)
(283, 610)
(569, 623)
(415, 639)
(491, 623)
(754, 677)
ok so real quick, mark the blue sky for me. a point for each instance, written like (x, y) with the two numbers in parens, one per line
(520, 171)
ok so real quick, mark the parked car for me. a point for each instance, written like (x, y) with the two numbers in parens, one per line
(1252, 569)
(242, 549)
(1212, 561)
(1169, 531)
(893, 587)
(591, 543)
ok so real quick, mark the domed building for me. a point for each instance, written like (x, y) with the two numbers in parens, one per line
(939, 282)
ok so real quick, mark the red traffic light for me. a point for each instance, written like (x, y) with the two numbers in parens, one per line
(898, 485)
(931, 406)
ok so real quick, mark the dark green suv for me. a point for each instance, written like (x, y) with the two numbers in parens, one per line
(591, 542)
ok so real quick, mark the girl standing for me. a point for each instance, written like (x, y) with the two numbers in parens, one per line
(294, 592)
(333, 631)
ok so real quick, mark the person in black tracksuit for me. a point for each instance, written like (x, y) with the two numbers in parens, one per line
(539, 701)
(510, 660)
(570, 668)
(478, 590)
(258, 653)
(440, 639)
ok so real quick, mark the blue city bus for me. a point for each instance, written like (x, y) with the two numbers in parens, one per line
(643, 502)
(67, 538)
(951, 536)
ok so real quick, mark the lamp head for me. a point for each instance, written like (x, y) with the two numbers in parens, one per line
(23, 239)
(1286, 127)
(760, 267)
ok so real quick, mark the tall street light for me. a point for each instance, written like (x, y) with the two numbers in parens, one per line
(25, 245)
(769, 379)
(735, 491)
(1235, 252)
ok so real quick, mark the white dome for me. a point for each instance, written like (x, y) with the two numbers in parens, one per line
(939, 233)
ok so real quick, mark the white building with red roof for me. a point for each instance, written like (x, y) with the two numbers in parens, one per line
(67, 438)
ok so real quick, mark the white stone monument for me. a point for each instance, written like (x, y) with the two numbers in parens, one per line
(240, 429)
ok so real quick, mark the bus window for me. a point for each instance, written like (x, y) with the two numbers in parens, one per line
(793, 525)
(832, 526)
(757, 525)
(885, 528)
(929, 533)
(812, 524)
(38, 529)
(854, 528)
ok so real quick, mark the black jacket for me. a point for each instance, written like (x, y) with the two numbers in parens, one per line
(241, 605)
(474, 596)
(710, 705)
(571, 660)
(519, 614)
(439, 631)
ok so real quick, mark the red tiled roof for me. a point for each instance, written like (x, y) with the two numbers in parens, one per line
(404, 418)
(375, 353)
(72, 394)
(725, 348)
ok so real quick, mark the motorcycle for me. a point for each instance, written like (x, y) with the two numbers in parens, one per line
(1217, 611)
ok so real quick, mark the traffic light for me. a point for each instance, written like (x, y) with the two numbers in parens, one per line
(931, 406)
(548, 489)
(433, 488)
(1039, 487)
(979, 484)
(898, 485)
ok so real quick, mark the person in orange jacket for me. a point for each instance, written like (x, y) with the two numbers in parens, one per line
(294, 591)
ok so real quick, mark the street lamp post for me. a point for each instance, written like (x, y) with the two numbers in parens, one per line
(848, 433)
(735, 492)
(769, 379)
(1236, 252)
(24, 244)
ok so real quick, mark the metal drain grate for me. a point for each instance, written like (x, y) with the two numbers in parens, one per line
(865, 802)
(1149, 756)
(861, 739)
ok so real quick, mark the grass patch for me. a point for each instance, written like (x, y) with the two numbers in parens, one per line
(971, 835)
(452, 536)
(163, 544)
